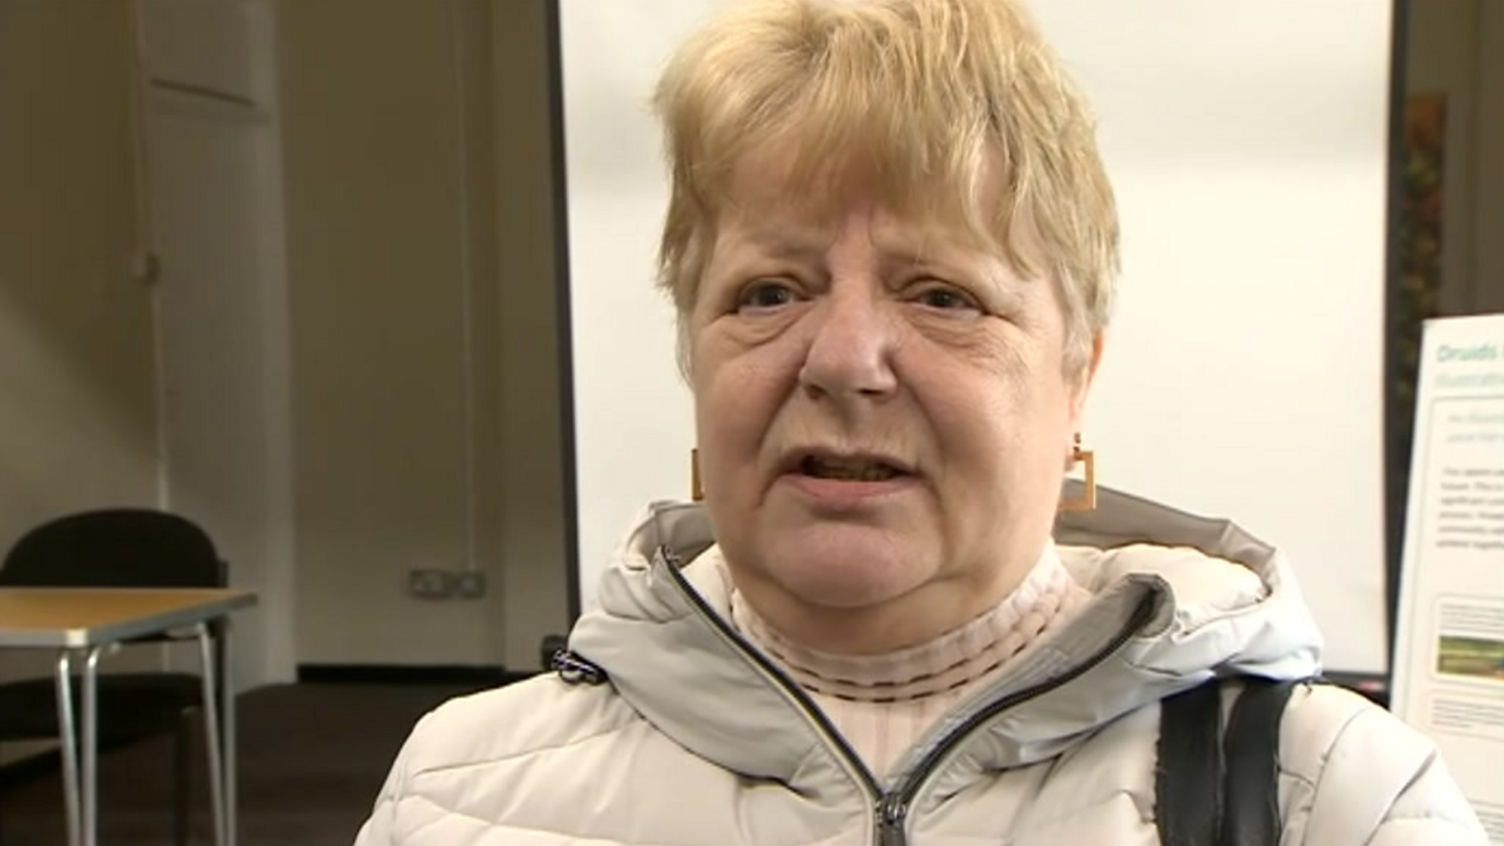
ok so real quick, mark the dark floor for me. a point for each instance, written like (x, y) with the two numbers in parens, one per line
(312, 758)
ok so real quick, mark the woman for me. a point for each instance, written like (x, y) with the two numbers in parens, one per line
(892, 246)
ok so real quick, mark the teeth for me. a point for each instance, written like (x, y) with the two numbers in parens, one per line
(859, 471)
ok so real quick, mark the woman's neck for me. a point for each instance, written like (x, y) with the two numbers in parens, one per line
(883, 704)
(950, 661)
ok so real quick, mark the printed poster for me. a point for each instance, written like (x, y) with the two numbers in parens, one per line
(1449, 651)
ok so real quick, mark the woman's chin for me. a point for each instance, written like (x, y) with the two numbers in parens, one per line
(846, 566)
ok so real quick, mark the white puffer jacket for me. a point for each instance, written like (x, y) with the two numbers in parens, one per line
(693, 739)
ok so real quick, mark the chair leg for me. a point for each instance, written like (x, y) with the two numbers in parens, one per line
(182, 763)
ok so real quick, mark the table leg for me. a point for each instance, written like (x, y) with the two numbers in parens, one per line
(69, 741)
(227, 732)
(212, 738)
(90, 754)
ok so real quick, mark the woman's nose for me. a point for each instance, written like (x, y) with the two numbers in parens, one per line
(850, 348)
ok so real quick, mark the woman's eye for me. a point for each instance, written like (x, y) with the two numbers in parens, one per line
(945, 299)
(765, 295)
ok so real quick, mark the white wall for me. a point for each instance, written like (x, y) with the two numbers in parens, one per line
(633, 424)
(77, 416)
(211, 130)
(384, 405)
(1243, 373)
(461, 173)
(534, 535)
(424, 334)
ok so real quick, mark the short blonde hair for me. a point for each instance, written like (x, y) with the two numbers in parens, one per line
(932, 99)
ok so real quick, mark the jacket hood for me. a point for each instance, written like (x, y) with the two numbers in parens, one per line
(1177, 599)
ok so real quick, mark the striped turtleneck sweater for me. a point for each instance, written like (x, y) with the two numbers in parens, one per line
(883, 704)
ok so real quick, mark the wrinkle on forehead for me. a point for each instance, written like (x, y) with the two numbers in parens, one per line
(808, 204)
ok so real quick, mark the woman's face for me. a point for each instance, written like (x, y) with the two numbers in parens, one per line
(884, 420)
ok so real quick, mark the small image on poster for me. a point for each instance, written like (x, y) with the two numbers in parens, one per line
(1470, 640)
(1472, 657)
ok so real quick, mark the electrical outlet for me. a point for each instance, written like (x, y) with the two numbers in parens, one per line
(470, 584)
(430, 584)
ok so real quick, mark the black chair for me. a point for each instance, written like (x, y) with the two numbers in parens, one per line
(127, 547)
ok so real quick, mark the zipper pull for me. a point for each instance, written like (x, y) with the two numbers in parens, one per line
(892, 814)
(575, 669)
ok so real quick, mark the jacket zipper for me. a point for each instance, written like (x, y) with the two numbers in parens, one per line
(891, 808)
(895, 806)
(806, 704)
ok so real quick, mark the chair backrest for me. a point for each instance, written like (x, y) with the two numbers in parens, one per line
(120, 547)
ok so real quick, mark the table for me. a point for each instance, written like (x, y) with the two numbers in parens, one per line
(90, 620)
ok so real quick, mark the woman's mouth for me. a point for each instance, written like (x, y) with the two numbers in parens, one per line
(836, 485)
(848, 469)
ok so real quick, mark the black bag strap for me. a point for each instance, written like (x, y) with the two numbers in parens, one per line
(1251, 807)
(1186, 785)
(1216, 788)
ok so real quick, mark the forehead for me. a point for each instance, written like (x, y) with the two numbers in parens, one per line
(770, 204)
(799, 182)
(789, 231)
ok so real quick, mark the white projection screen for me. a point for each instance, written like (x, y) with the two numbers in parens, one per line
(1248, 143)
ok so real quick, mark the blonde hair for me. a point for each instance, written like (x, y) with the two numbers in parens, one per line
(932, 100)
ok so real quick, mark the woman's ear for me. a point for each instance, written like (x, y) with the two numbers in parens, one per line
(684, 351)
(1083, 381)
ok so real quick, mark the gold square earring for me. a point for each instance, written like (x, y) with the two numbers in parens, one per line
(696, 492)
(1087, 500)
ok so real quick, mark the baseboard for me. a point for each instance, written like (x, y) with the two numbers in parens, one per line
(403, 674)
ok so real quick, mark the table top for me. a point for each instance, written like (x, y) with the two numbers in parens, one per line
(80, 617)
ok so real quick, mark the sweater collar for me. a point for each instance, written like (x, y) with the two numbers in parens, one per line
(954, 660)
(1219, 601)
